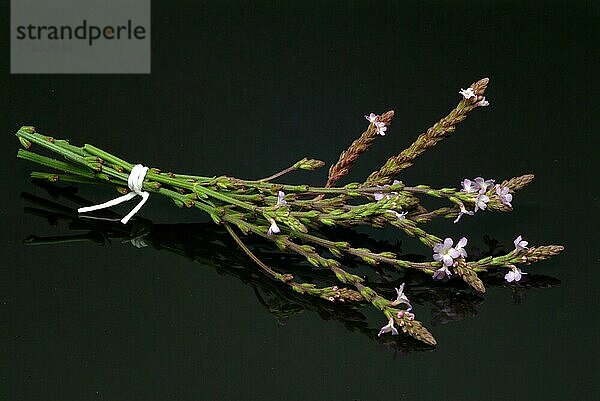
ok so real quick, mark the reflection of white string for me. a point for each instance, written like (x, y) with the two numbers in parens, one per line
(98, 218)
(135, 183)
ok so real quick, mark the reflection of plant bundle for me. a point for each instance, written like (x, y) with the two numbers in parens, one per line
(294, 217)
(211, 246)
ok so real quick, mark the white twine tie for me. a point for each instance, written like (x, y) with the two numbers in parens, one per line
(135, 183)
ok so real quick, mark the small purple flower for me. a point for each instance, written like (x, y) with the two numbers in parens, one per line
(467, 93)
(273, 229)
(405, 314)
(514, 274)
(388, 327)
(381, 128)
(520, 244)
(481, 202)
(460, 247)
(445, 253)
(463, 211)
(482, 103)
(281, 199)
(482, 185)
(372, 117)
(468, 186)
(504, 195)
(401, 298)
(379, 125)
(380, 195)
(442, 272)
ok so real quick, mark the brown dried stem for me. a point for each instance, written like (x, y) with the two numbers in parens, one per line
(359, 146)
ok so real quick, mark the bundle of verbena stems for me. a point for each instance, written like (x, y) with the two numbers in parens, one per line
(293, 216)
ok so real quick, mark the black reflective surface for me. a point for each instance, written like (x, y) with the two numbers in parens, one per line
(247, 88)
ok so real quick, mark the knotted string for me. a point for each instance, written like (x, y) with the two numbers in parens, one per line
(135, 183)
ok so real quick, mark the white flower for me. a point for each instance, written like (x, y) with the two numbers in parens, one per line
(463, 210)
(520, 244)
(401, 298)
(514, 274)
(445, 253)
(460, 247)
(482, 103)
(388, 327)
(442, 272)
(481, 202)
(372, 117)
(504, 195)
(281, 199)
(467, 93)
(399, 216)
(273, 229)
(468, 186)
(482, 185)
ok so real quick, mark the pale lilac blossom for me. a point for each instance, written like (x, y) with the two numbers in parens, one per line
(281, 199)
(380, 195)
(481, 202)
(405, 314)
(482, 185)
(388, 328)
(372, 117)
(379, 125)
(514, 274)
(401, 297)
(381, 128)
(444, 252)
(463, 211)
(482, 103)
(468, 186)
(520, 244)
(467, 93)
(460, 247)
(504, 195)
(273, 229)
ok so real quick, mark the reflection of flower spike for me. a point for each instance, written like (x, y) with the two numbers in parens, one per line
(450, 303)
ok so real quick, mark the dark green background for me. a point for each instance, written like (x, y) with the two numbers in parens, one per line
(244, 88)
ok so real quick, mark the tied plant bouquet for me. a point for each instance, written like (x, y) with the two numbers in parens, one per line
(295, 217)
